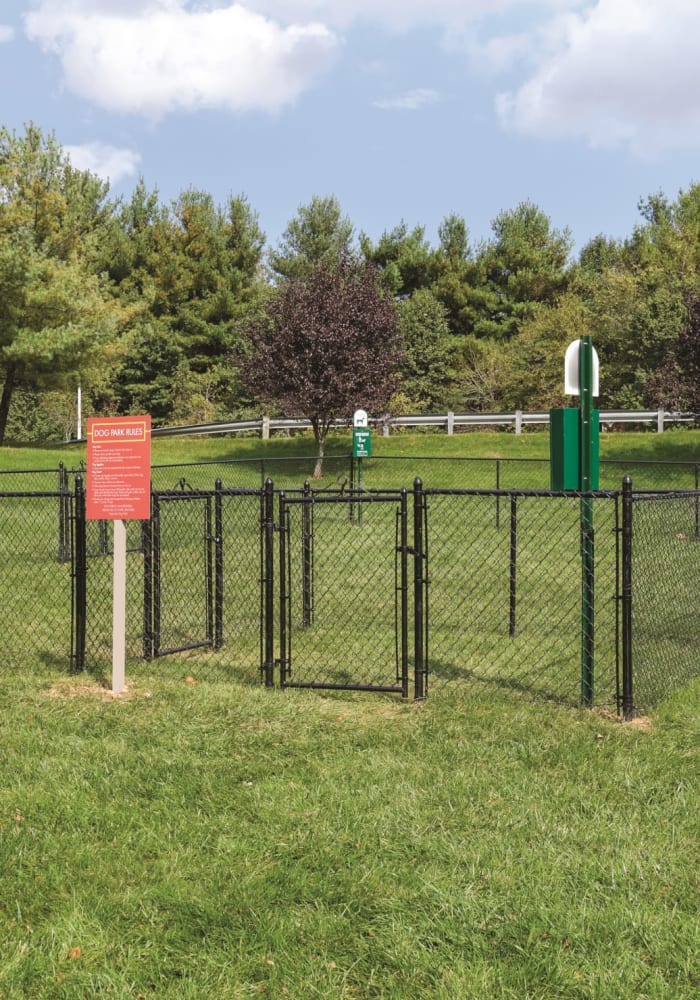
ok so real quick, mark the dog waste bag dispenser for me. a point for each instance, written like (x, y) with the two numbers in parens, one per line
(361, 437)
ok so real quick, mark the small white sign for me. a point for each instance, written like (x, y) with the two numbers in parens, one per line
(360, 419)
(572, 386)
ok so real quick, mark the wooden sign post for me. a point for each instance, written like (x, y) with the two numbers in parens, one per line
(119, 490)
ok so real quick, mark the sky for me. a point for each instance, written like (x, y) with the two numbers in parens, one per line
(404, 110)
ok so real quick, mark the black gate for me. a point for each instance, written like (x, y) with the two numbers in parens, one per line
(344, 592)
(179, 580)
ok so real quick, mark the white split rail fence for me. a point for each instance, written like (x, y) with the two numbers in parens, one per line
(447, 421)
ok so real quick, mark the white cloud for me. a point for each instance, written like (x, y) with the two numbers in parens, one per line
(155, 58)
(108, 162)
(398, 14)
(6, 33)
(622, 73)
(412, 100)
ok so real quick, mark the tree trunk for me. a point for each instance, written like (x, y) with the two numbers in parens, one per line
(6, 399)
(318, 469)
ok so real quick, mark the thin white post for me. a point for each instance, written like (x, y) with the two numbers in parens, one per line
(119, 609)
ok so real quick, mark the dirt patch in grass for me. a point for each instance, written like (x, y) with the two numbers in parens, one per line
(365, 710)
(641, 722)
(94, 690)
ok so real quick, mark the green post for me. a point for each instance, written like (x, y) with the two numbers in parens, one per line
(587, 535)
(361, 448)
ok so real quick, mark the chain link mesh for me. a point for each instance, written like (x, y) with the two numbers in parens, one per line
(506, 601)
(35, 579)
(665, 580)
(188, 608)
(341, 591)
(504, 597)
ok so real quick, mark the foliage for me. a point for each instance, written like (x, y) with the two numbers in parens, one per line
(194, 270)
(427, 371)
(318, 233)
(677, 386)
(523, 267)
(145, 304)
(55, 315)
(329, 343)
(404, 259)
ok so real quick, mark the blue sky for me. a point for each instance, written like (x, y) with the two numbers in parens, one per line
(405, 110)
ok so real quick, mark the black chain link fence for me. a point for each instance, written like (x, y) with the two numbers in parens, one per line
(35, 578)
(193, 576)
(507, 596)
(665, 595)
(343, 590)
(379, 472)
(422, 591)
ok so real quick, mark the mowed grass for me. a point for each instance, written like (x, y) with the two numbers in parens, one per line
(677, 445)
(218, 840)
(198, 838)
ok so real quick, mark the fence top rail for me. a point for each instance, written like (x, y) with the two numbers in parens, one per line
(660, 494)
(28, 494)
(570, 494)
(30, 472)
(346, 497)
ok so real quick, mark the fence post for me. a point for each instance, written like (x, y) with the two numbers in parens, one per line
(513, 562)
(147, 547)
(420, 683)
(498, 499)
(79, 595)
(660, 416)
(402, 673)
(155, 569)
(269, 584)
(627, 670)
(307, 613)
(218, 565)
(351, 505)
(63, 515)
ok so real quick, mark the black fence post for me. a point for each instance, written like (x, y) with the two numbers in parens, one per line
(64, 553)
(284, 596)
(402, 659)
(218, 565)
(268, 665)
(147, 547)
(155, 536)
(627, 669)
(420, 683)
(79, 589)
(351, 506)
(307, 613)
(513, 576)
(498, 498)
(209, 570)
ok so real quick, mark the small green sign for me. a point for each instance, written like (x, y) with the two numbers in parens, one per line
(361, 442)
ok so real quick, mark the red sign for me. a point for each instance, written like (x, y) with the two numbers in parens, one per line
(119, 468)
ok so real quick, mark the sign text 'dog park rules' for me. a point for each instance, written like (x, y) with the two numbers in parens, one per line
(119, 468)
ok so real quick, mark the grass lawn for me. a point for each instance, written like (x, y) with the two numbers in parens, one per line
(217, 840)
(197, 839)
(679, 445)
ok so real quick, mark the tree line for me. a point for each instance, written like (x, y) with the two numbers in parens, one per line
(183, 310)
